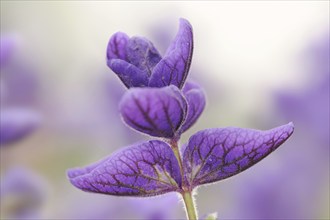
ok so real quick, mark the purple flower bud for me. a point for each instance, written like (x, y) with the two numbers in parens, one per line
(138, 63)
(163, 112)
(218, 153)
(15, 124)
(155, 111)
(144, 169)
(142, 54)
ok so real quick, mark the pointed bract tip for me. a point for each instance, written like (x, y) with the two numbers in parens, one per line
(291, 124)
(183, 20)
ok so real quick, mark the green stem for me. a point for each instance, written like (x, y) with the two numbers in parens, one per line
(186, 193)
(190, 206)
(175, 149)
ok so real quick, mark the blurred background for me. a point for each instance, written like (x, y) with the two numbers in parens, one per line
(262, 64)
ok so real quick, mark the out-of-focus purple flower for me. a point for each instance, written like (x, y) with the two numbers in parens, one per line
(15, 124)
(310, 107)
(301, 175)
(22, 194)
(105, 207)
(151, 168)
(7, 43)
(21, 86)
(138, 63)
(160, 208)
(163, 112)
(16, 86)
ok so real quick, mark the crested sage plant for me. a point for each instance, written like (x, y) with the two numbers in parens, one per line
(162, 103)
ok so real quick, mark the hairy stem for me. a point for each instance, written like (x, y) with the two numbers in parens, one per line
(186, 192)
(190, 206)
(176, 151)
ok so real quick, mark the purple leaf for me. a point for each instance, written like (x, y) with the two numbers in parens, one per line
(218, 153)
(174, 67)
(196, 102)
(144, 169)
(129, 74)
(155, 111)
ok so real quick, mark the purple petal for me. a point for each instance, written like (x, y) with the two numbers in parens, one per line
(144, 169)
(218, 153)
(174, 67)
(195, 97)
(129, 74)
(155, 111)
(16, 124)
(117, 46)
(142, 54)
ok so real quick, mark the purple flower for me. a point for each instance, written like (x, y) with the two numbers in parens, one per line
(151, 168)
(17, 88)
(138, 63)
(163, 111)
(284, 187)
(15, 124)
(7, 44)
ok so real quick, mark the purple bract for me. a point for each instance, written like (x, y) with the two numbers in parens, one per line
(163, 112)
(151, 168)
(144, 169)
(138, 63)
(215, 154)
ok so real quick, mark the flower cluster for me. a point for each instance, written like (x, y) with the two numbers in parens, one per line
(160, 103)
(15, 122)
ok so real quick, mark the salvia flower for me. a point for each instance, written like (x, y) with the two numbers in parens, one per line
(15, 122)
(138, 63)
(165, 106)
